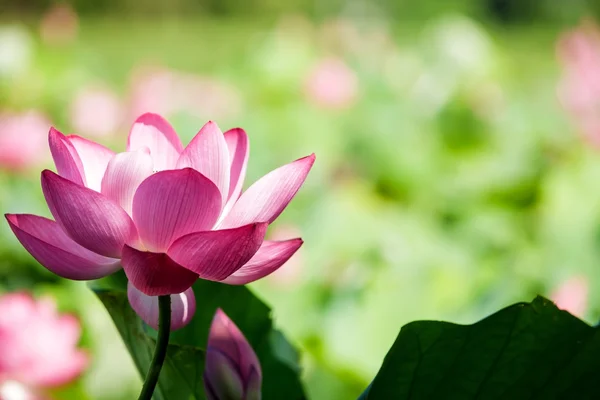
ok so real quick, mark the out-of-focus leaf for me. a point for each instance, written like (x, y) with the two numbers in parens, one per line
(181, 377)
(526, 351)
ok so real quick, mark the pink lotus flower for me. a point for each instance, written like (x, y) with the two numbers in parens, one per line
(38, 347)
(332, 84)
(166, 214)
(232, 370)
(572, 295)
(579, 91)
(22, 139)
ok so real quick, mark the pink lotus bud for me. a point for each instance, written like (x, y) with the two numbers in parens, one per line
(572, 295)
(23, 140)
(332, 84)
(38, 347)
(232, 370)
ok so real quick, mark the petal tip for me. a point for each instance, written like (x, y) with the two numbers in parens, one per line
(148, 117)
(48, 174)
(55, 132)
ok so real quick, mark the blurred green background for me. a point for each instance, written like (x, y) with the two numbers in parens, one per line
(449, 180)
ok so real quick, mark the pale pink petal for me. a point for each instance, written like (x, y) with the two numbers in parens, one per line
(239, 151)
(124, 174)
(37, 345)
(183, 307)
(67, 160)
(207, 153)
(155, 274)
(52, 248)
(72, 361)
(270, 256)
(214, 255)
(155, 133)
(268, 197)
(64, 372)
(170, 204)
(89, 218)
(94, 158)
(227, 338)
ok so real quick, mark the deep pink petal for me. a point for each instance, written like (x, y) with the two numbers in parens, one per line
(89, 218)
(227, 338)
(67, 160)
(155, 274)
(207, 153)
(170, 204)
(155, 133)
(268, 197)
(239, 151)
(270, 256)
(52, 248)
(124, 174)
(94, 159)
(214, 255)
(183, 307)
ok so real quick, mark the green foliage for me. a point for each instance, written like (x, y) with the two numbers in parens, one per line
(526, 351)
(181, 376)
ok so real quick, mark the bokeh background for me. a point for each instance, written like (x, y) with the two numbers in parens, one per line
(457, 142)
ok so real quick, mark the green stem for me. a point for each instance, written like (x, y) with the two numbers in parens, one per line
(160, 351)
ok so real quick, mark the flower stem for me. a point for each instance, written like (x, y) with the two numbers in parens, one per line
(160, 352)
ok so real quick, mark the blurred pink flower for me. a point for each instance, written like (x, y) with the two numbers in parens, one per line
(23, 139)
(332, 84)
(166, 92)
(232, 370)
(38, 347)
(96, 111)
(579, 90)
(59, 25)
(572, 295)
(168, 215)
(289, 273)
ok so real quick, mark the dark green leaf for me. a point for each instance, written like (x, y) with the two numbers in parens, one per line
(186, 353)
(181, 375)
(526, 351)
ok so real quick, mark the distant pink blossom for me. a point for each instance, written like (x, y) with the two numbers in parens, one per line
(59, 25)
(579, 90)
(96, 111)
(166, 214)
(289, 273)
(232, 370)
(572, 295)
(167, 92)
(23, 139)
(332, 84)
(38, 346)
